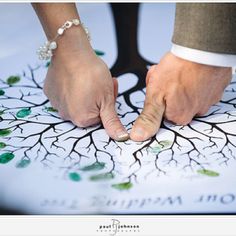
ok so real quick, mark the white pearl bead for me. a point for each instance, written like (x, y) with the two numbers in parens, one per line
(53, 45)
(44, 49)
(60, 31)
(76, 22)
(50, 53)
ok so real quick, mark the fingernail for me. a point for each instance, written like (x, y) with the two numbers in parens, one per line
(122, 136)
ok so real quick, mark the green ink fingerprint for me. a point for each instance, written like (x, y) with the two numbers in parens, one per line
(165, 143)
(50, 109)
(155, 150)
(94, 167)
(101, 177)
(2, 92)
(1, 112)
(123, 186)
(23, 163)
(5, 132)
(2, 145)
(6, 157)
(99, 53)
(13, 80)
(208, 173)
(23, 112)
(48, 64)
(74, 177)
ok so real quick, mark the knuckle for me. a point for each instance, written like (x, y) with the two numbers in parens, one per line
(173, 113)
(85, 120)
(217, 99)
(80, 121)
(169, 116)
(179, 120)
(202, 112)
(185, 120)
(101, 69)
(62, 114)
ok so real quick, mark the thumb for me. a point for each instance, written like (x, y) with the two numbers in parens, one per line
(111, 122)
(149, 121)
(115, 83)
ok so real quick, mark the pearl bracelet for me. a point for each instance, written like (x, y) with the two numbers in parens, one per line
(45, 52)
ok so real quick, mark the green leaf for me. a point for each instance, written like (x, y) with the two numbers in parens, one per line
(94, 167)
(2, 92)
(74, 176)
(23, 112)
(51, 109)
(123, 186)
(6, 157)
(165, 143)
(155, 150)
(23, 163)
(208, 173)
(99, 53)
(13, 79)
(5, 132)
(101, 177)
(2, 145)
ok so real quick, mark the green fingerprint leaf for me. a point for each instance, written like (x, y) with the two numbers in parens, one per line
(2, 145)
(50, 109)
(155, 150)
(208, 173)
(101, 177)
(23, 112)
(165, 143)
(23, 163)
(123, 186)
(6, 157)
(13, 79)
(2, 92)
(94, 167)
(74, 177)
(99, 53)
(5, 132)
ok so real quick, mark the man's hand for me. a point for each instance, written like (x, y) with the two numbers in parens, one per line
(79, 85)
(178, 90)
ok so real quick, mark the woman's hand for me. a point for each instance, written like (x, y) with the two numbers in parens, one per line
(79, 85)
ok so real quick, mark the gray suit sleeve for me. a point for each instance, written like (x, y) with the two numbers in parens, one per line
(206, 26)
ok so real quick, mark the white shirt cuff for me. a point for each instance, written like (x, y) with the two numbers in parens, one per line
(203, 57)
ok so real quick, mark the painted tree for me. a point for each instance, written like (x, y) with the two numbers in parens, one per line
(32, 131)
